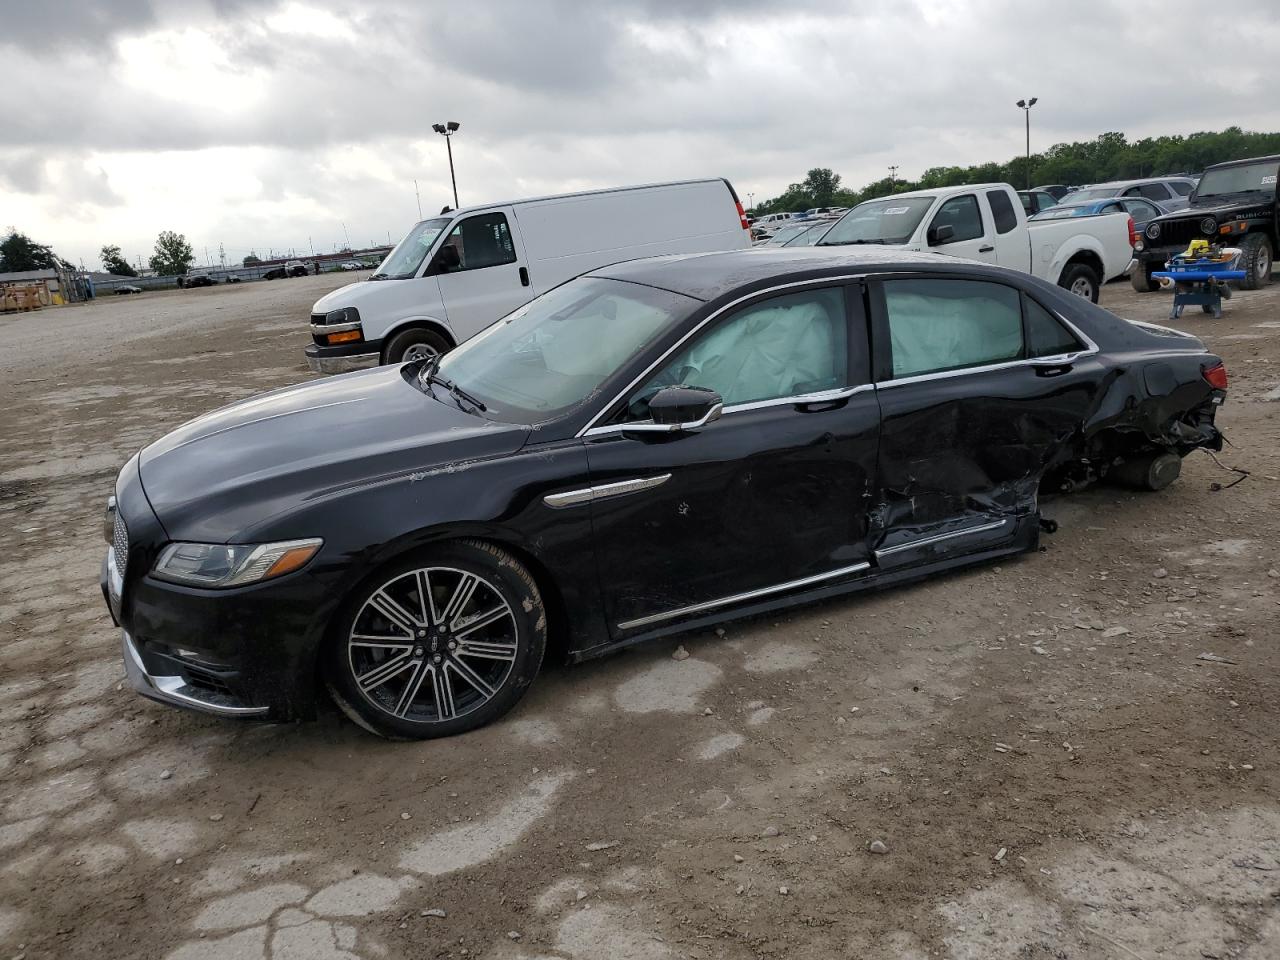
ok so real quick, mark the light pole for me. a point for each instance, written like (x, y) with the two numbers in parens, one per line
(893, 175)
(1026, 106)
(447, 130)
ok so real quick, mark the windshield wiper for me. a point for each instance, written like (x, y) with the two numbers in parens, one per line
(456, 391)
(846, 243)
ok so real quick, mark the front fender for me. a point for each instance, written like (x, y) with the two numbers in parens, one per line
(424, 320)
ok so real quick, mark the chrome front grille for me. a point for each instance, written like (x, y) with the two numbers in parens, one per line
(120, 544)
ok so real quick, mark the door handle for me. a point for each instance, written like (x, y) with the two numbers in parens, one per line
(986, 249)
(524, 276)
(1047, 370)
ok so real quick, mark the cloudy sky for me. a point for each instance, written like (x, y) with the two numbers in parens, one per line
(269, 125)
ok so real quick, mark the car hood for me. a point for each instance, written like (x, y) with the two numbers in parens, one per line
(351, 295)
(1225, 210)
(233, 472)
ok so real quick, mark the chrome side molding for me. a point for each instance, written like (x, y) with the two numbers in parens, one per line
(939, 538)
(740, 597)
(571, 498)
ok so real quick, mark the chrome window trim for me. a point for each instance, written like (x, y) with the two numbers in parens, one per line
(591, 424)
(572, 498)
(648, 426)
(739, 597)
(940, 537)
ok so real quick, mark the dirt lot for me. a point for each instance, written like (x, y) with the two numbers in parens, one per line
(1054, 770)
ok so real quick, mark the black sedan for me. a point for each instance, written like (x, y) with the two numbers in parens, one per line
(654, 447)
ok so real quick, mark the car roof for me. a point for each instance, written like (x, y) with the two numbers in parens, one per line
(707, 276)
(1129, 183)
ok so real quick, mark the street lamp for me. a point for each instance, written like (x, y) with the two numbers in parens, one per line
(1026, 106)
(447, 130)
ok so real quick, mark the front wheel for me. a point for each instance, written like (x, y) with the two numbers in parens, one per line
(417, 343)
(437, 644)
(1142, 280)
(1256, 260)
(1082, 281)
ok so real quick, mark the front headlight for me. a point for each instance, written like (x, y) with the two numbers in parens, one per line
(232, 564)
(342, 315)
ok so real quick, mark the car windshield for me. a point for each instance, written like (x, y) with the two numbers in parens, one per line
(1094, 193)
(809, 236)
(556, 351)
(786, 232)
(403, 262)
(1244, 178)
(1063, 211)
(891, 220)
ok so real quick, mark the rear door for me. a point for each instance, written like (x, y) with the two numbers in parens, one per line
(969, 229)
(979, 386)
(491, 277)
(771, 494)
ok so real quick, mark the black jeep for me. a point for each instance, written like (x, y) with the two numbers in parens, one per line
(1233, 205)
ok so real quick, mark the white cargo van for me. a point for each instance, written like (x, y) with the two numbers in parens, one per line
(455, 274)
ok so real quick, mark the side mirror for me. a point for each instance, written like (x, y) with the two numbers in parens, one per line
(447, 259)
(680, 410)
(942, 234)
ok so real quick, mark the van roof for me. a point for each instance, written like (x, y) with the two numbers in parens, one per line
(582, 193)
(960, 188)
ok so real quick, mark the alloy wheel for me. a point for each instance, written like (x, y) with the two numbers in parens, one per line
(432, 644)
(1082, 287)
(420, 351)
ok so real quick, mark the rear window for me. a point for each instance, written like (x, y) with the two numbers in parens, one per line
(1180, 188)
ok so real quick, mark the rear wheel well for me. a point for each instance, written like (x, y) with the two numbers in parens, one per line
(1086, 258)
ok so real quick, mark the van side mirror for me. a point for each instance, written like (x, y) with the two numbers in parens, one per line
(447, 260)
(942, 234)
(680, 410)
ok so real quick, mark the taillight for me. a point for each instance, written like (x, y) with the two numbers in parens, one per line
(1133, 233)
(1215, 374)
(742, 215)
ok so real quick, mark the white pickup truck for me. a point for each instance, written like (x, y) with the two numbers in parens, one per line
(986, 221)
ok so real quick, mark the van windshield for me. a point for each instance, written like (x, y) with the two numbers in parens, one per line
(403, 262)
(891, 220)
(557, 350)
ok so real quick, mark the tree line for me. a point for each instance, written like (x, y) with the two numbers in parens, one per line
(1107, 157)
(172, 257)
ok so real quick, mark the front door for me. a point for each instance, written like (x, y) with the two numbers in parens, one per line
(980, 386)
(768, 499)
(487, 278)
(969, 239)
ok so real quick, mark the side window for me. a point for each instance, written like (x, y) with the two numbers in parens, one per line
(962, 215)
(1180, 188)
(1140, 210)
(481, 241)
(1028, 203)
(1002, 210)
(782, 347)
(1154, 191)
(1046, 337)
(937, 325)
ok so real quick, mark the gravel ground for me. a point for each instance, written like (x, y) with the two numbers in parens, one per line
(1026, 761)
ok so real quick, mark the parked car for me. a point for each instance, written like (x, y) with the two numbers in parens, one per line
(455, 274)
(1034, 201)
(353, 265)
(126, 288)
(296, 268)
(986, 222)
(771, 220)
(1141, 210)
(1170, 192)
(196, 280)
(275, 273)
(1234, 204)
(1055, 190)
(419, 536)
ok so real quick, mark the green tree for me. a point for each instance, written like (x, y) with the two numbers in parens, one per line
(114, 262)
(19, 253)
(173, 256)
(820, 185)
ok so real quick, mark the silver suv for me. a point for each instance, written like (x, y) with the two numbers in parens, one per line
(1170, 193)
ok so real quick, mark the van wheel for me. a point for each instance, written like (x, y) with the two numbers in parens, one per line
(1082, 281)
(1256, 261)
(437, 644)
(417, 343)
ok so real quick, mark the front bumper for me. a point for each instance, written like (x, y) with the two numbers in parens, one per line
(178, 691)
(343, 357)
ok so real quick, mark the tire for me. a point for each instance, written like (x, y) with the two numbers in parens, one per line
(453, 663)
(1256, 260)
(1149, 472)
(1142, 280)
(1082, 281)
(417, 343)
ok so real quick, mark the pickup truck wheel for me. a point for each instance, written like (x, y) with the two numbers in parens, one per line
(1256, 260)
(1082, 281)
(415, 344)
(1142, 280)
